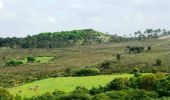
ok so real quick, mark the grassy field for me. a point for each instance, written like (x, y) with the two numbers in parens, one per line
(82, 56)
(38, 59)
(66, 84)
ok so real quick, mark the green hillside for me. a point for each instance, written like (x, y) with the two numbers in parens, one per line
(66, 84)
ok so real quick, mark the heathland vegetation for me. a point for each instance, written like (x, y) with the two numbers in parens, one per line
(86, 65)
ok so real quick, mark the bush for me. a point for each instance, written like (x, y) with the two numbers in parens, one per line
(146, 81)
(135, 70)
(116, 95)
(14, 63)
(46, 96)
(132, 94)
(139, 95)
(101, 96)
(87, 72)
(105, 65)
(133, 82)
(135, 49)
(95, 91)
(162, 86)
(31, 59)
(5, 95)
(80, 93)
(158, 62)
(117, 84)
(149, 48)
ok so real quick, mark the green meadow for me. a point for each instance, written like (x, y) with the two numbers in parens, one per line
(66, 84)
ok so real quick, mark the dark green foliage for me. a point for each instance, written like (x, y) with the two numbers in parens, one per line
(162, 86)
(80, 93)
(133, 82)
(135, 49)
(139, 95)
(5, 95)
(117, 84)
(101, 96)
(147, 81)
(53, 40)
(98, 90)
(14, 63)
(158, 62)
(116, 95)
(87, 72)
(118, 57)
(46, 96)
(135, 70)
(149, 48)
(31, 59)
(106, 65)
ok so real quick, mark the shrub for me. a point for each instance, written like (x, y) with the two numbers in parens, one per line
(146, 81)
(31, 59)
(5, 95)
(118, 57)
(46, 96)
(162, 86)
(95, 91)
(133, 82)
(149, 48)
(80, 93)
(87, 72)
(137, 95)
(116, 95)
(135, 49)
(101, 96)
(158, 62)
(105, 65)
(14, 63)
(135, 70)
(117, 84)
(132, 94)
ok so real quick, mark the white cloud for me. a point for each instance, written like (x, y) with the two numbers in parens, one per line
(51, 19)
(1, 5)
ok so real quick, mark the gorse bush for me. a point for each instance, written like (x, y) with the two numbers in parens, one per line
(87, 72)
(162, 86)
(147, 81)
(14, 63)
(31, 59)
(117, 84)
(136, 49)
(158, 62)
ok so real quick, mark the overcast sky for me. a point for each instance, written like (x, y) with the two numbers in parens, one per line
(23, 17)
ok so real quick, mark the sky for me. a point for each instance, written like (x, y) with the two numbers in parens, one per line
(20, 18)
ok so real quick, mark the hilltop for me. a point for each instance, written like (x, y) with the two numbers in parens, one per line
(59, 39)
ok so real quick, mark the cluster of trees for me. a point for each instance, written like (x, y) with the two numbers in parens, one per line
(135, 49)
(151, 33)
(86, 72)
(139, 87)
(53, 40)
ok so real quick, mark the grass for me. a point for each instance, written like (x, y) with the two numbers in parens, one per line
(38, 60)
(66, 84)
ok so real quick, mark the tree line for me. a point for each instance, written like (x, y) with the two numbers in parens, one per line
(52, 39)
(151, 33)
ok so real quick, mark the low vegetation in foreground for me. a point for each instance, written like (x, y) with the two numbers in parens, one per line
(137, 87)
